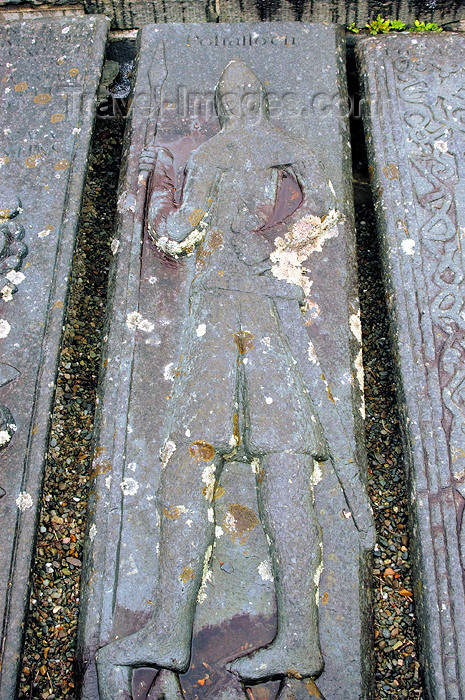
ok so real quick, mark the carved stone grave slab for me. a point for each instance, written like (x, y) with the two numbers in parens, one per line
(49, 72)
(232, 391)
(415, 124)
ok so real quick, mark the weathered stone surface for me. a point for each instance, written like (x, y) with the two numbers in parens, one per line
(132, 14)
(415, 124)
(224, 434)
(49, 72)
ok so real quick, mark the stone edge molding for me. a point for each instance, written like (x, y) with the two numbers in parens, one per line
(34, 460)
(402, 157)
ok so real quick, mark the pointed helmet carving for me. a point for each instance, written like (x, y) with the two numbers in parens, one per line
(240, 94)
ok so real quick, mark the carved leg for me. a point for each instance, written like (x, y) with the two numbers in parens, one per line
(293, 689)
(166, 687)
(114, 682)
(287, 514)
(186, 531)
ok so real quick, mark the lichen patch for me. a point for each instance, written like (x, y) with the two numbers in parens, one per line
(5, 328)
(129, 486)
(408, 246)
(206, 576)
(307, 236)
(166, 452)
(24, 501)
(265, 570)
(208, 478)
(356, 326)
(311, 353)
(201, 450)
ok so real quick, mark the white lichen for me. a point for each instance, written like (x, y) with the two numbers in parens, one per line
(7, 293)
(133, 570)
(255, 464)
(92, 532)
(208, 478)
(114, 246)
(218, 531)
(268, 400)
(441, 146)
(408, 246)
(5, 328)
(211, 515)
(166, 452)
(24, 501)
(133, 319)
(169, 372)
(129, 486)
(317, 474)
(307, 236)
(360, 379)
(201, 330)
(356, 326)
(15, 277)
(311, 353)
(265, 570)
(146, 326)
(206, 576)
(316, 581)
(5, 435)
(230, 522)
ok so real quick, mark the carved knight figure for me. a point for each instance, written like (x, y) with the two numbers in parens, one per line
(238, 393)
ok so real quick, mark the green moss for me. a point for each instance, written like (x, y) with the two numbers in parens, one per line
(383, 26)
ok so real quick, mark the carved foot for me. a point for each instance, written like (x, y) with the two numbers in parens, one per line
(279, 659)
(145, 648)
(166, 687)
(114, 682)
(292, 689)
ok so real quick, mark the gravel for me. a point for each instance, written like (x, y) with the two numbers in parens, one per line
(397, 666)
(49, 655)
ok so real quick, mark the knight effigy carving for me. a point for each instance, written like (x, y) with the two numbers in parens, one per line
(238, 393)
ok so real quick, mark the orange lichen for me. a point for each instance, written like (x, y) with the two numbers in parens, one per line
(196, 217)
(187, 574)
(244, 341)
(61, 165)
(239, 522)
(201, 450)
(42, 98)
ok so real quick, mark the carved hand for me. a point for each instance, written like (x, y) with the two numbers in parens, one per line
(151, 155)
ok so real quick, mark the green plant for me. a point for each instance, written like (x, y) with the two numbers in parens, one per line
(379, 26)
(383, 26)
(428, 27)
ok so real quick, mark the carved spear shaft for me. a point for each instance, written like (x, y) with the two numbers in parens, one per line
(156, 75)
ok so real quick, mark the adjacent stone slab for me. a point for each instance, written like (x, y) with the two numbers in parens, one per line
(49, 72)
(415, 123)
(301, 68)
(133, 14)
